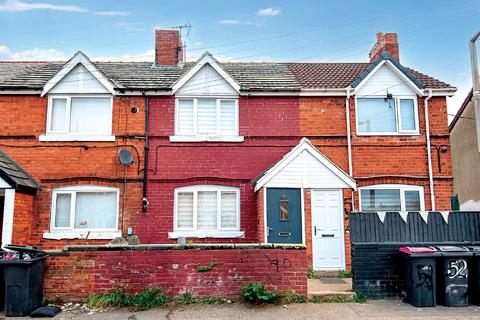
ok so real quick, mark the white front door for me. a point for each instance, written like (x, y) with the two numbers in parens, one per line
(327, 230)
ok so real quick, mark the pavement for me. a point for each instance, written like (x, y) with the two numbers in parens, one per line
(378, 309)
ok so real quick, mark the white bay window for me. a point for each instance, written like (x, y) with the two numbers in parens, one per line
(79, 210)
(83, 118)
(385, 116)
(207, 211)
(206, 119)
(387, 197)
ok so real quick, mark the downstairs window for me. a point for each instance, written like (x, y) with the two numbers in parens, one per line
(207, 208)
(83, 208)
(391, 198)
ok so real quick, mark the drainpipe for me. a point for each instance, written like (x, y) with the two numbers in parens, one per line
(349, 142)
(145, 202)
(429, 151)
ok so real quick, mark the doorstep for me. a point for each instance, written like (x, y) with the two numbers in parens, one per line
(330, 287)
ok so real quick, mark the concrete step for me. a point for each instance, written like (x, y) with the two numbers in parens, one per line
(331, 294)
(327, 274)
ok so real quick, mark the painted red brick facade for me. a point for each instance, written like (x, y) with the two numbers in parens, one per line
(60, 164)
(74, 277)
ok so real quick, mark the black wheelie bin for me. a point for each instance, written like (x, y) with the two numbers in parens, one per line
(474, 278)
(453, 275)
(23, 272)
(420, 275)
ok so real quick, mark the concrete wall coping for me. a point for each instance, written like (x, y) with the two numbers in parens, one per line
(160, 247)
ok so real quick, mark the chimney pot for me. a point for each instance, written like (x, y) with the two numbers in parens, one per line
(385, 42)
(168, 48)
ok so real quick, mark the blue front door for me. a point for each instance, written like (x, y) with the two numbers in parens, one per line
(284, 219)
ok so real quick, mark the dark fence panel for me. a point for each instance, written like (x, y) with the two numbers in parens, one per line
(377, 266)
(367, 227)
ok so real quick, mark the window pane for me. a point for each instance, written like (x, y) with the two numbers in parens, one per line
(95, 210)
(381, 200)
(91, 115)
(376, 115)
(407, 114)
(58, 115)
(207, 210)
(62, 210)
(412, 200)
(185, 210)
(228, 125)
(207, 116)
(185, 117)
(229, 210)
(283, 210)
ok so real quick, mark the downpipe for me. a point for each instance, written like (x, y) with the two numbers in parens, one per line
(429, 150)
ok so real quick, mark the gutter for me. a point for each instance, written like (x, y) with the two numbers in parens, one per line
(145, 202)
(429, 151)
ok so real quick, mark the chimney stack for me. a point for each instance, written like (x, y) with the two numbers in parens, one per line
(385, 42)
(168, 48)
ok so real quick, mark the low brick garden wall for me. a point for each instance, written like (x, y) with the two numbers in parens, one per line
(78, 271)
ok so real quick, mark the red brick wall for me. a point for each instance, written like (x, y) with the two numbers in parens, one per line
(270, 127)
(22, 219)
(75, 277)
(382, 159)
(59, 164)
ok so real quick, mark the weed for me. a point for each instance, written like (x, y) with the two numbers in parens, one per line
(148, 298)
(187, 298)
(116, 299)
(256, 293)
(207, 268)
(357, 298)
(344, 274)
(360, 298)
(312, 274)
(290, 296)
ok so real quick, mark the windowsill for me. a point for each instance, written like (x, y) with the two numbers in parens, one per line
(75, 137)
(388, 134)
(206, 138)
(94, 235)
(206, 234)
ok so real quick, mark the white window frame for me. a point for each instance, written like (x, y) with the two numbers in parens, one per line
(401, 187)
(195, 137)
(66, 135)
(398, 120)
(70, 232)
(194, 232)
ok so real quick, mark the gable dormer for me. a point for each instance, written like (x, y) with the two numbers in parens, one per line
(386, 99)
(206, 104)
(80, 100)
(206, 78)
(78, 75)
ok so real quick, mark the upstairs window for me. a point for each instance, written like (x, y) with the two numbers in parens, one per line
(206, 117)
(76, 115)
(391, 198)
(70, 117)
(398, 115)
(207, 208)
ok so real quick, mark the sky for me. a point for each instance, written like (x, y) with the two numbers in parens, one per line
(433, 34)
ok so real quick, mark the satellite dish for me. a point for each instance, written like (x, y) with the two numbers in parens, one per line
(125, 157)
